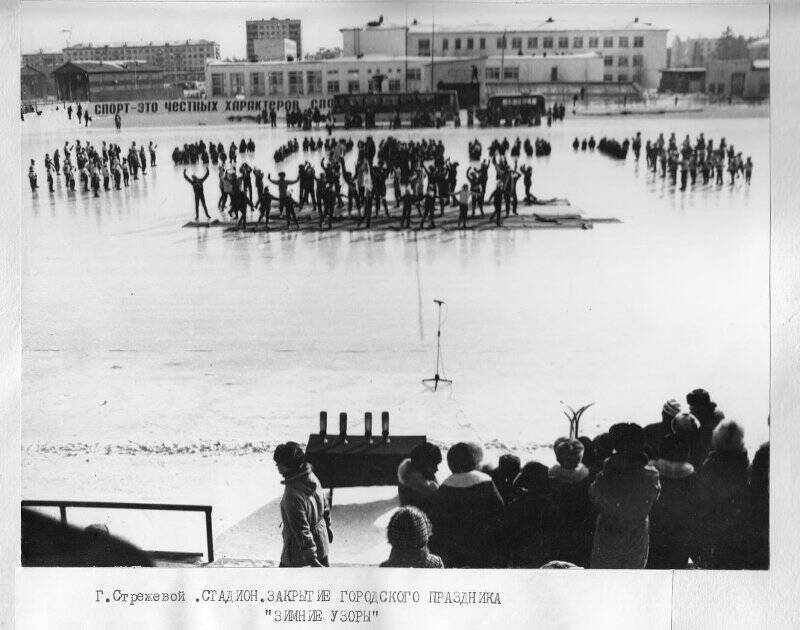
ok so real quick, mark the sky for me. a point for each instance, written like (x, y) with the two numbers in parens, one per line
(224, 22)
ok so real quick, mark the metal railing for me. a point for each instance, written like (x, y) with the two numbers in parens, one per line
(167, 507)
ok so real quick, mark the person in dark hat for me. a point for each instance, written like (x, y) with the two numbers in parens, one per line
(709, 416)
(467, 513)
(526, 524)
(672, 516)
(623, 492)
(416, 476)
(508, 467)
(305, 513)
(408, 533)
(654, 433)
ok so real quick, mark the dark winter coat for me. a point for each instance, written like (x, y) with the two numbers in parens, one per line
(467, 515)
(570, 525)
(672, 516)
(305, 515)
(414, 488)
(524, 529)
(722, 510)
(624, 491)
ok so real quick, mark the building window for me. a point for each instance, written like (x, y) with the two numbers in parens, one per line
(314, 81)
(332, 73)
(563, 42)
(608, 42)
(577, 42)
(353, 86)
(424, 47)
(554, 73)
(623, 42)
(295, 83)
(333, 87)
(470, 43)
(501, 43)
(638, 61)
(622, 62)
(608, 61)
(492, 74)
(533, 42)
(445, 44)
(257, 84)
(275, 83)
(547, 42)
(217, 87)
(511, 73)
(394, 85)
(237, 83)
(607, 78)
(482, 43)
(622, 78)
(414, 74)
(458, 43)
(516, 43)
(638, 42)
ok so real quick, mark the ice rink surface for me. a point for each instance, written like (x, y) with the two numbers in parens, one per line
(137, 332)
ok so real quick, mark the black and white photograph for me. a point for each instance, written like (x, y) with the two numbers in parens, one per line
(414, 285)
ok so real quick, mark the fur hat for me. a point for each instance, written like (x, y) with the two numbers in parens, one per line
(728, 436)
(290, 455)
(565, 449)
(464, 457)
(409, 528)
(425, 454)
(698, 398)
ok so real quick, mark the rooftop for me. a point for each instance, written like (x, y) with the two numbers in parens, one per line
(546, 25)
(140, 44)
(92, 67)
(759, 43)
(553, 55)
(761, 64)
(682, 70)
(335, 60)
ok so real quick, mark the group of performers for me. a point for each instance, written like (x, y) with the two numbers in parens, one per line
(95, 167)
(417, 172)
(213, 152)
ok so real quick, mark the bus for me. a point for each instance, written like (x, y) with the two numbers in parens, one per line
(420, 109)
(512, 109)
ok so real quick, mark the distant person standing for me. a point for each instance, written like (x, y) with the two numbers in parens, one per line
(118, 121)
(86, 117)
(69, 112)
(152, 148)
(199, 194)
(32, 176)
(143, 159)
(273, 117)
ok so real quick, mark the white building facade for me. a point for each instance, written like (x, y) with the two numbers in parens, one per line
(321, 78)
(632, 51)
(275, 49)
(273, 28)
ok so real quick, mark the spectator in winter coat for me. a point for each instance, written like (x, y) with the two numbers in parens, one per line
(672, 516)
(654, 433)
(305, 514)
(707, 414)
(526, 517)
(467, 513)
(571, 524)
(416, 476)
(722, 500)
(408, 533)
(624, 492)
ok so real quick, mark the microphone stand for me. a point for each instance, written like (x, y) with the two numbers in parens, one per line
(436, 378)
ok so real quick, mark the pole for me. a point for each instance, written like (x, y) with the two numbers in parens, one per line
(502, 56)
(432, 42)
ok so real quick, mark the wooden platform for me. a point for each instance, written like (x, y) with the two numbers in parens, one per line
(309, 222)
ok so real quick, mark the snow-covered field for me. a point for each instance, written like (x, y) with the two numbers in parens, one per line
(162, 364)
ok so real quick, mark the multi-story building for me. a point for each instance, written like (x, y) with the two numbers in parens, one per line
(180, 60)
(694, 52)
(44, 61)
(275, 49)
(631, 51)
(273, 28)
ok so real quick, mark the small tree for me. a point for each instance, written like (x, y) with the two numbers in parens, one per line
(729, 46)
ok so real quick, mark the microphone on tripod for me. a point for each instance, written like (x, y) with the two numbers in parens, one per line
(436, 378)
